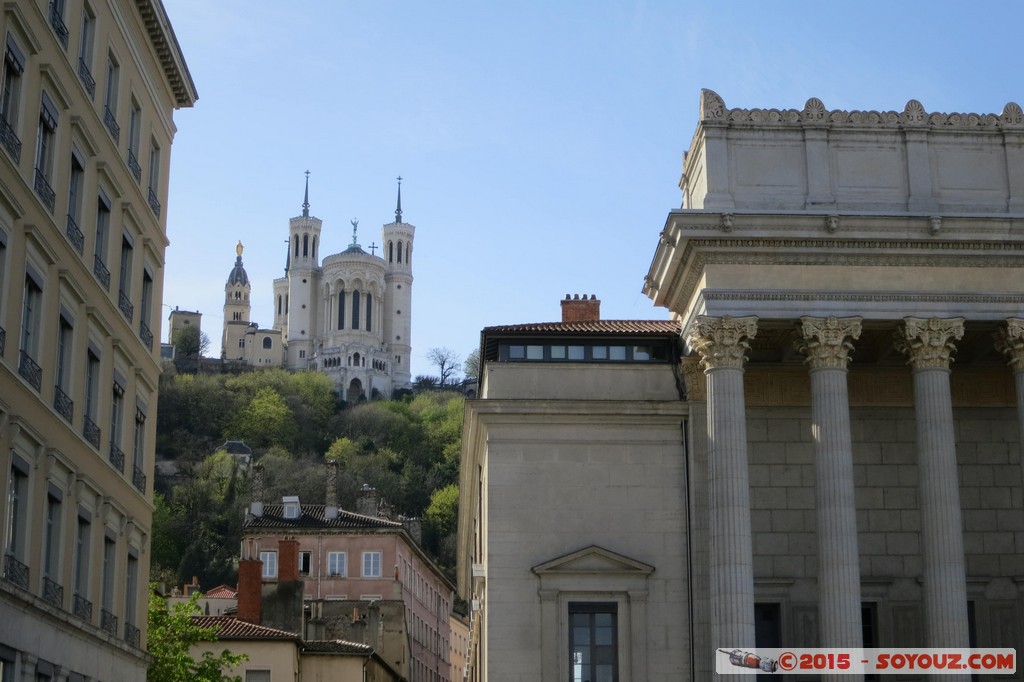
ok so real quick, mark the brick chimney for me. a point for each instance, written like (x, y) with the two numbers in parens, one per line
(250, 590)
(288, 560)
(576, 309)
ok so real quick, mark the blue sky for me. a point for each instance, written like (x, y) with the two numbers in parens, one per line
(540, 142)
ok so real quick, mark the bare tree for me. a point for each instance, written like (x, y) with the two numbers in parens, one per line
(472, 365)
(447, 362)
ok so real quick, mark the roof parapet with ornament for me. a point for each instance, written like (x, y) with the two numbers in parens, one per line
(714, 112)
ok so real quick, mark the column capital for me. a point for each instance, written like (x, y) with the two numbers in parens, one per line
(827, 341)
(693, 377)
(1010, 342)
(928, 343)
(722, 341)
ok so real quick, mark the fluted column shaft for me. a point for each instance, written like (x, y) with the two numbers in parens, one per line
(827, 344)
(722, 344)
(929, 344)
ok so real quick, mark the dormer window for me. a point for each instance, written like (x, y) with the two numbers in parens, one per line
(292, 509)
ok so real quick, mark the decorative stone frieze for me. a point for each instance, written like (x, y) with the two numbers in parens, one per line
(714, 110)
(693, 377)
(1010, 342)
(827, 341)
(722, 341)
(929, 343)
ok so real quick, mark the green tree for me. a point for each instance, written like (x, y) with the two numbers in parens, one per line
(189, 342)
(265, 420)
(472, 365)
(172, 633)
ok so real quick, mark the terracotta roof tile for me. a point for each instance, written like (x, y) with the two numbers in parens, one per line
(313, 518)
(589, 327)
(221, 592)
(229, 627)
(335, 646)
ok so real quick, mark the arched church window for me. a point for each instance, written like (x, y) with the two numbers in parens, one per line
(314, 248)
(286, 305)
(305, 245)
(369, 312)
(341, 309)
(268, 342)
(355, 309)
(408, 253)
(399, 252)
(279, 302)
(391, 251)
(355, 359)
(296, 246)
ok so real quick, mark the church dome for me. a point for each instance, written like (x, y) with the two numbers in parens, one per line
(238, 274)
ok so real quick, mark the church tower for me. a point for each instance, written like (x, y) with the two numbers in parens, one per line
(397, 238)
(303, 275)
(236, 310)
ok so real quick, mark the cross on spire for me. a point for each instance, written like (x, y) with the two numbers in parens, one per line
(373, 249)
(398, 209)
(305, 201)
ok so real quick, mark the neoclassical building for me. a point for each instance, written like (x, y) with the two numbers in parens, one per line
(86, 127)
(349, 315)
(848, 293)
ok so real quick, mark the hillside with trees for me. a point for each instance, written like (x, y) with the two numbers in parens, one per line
(408, 449)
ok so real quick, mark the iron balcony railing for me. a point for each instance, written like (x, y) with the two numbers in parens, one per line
(15, 572)
(138, 478)
(108, 622)
(85, 76)
(146, 334)
(53, 592)
(133, 165)
(81, 607)
(132, 635)
(100, 270)
(59, 27)
(91, 432)
(63, 403)
(111, 122)
(117, 457)
(125, 304)
(75, 235)
(30, 370)
(154, 203)
(10, 140)
(45, 192)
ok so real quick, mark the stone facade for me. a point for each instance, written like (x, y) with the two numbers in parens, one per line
(847, 288)
(86, 126)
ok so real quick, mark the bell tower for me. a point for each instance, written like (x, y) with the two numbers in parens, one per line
(303, 281)
(236, 309)
(397, 238)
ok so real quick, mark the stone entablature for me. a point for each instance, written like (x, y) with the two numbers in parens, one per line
(814, 158)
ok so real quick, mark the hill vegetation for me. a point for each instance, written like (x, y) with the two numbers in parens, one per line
(408, 449)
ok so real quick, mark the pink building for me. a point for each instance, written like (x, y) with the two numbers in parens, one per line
(363, 578)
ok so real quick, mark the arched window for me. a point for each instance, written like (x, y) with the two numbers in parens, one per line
(355, 309)
(280, 302)
(285, 305)
(355, 359)
(391, 252)
(369, 312)
(408, 253)
(314, 248)
(296, 246)
(341, 309)
(268, 342)
(399, 252)
(305, 245)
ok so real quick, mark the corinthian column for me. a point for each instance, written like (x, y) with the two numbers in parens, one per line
(827, 343)
(722, 345)
(1010, 342)
(929, 344)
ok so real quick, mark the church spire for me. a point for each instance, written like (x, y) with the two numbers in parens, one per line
(398, 209)
(305, 201)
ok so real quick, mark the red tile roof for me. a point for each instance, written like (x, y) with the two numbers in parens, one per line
(589, 327)
(221, 592)
(229, 627)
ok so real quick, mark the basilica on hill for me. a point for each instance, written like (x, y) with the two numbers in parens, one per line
(348, 315)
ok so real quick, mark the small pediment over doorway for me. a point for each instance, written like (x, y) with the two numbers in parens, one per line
(593, 560)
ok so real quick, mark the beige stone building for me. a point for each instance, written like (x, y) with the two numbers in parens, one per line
(243, 340)
(846, 464)
(89, 90)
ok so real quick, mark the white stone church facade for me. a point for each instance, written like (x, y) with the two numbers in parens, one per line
(348, 315)
(833, 458)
